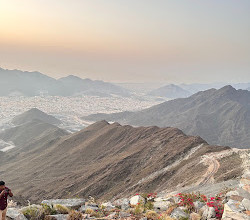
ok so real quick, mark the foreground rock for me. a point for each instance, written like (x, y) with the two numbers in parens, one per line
(161, 204)
(178, 213)
(69, 203)
(137, 199)
(57, 217)
(238, 203)
(229, 204)
(15, 214)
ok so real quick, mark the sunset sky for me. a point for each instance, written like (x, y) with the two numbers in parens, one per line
(173, 41)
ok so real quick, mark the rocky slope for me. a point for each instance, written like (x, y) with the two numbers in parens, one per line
(220, 116)
(107, 160)
(227, 204)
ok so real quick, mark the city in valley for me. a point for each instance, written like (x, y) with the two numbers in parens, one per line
(69, 109)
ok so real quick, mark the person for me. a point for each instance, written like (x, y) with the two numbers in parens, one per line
(4, 193)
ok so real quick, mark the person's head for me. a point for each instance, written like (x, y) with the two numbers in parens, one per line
(2, 185)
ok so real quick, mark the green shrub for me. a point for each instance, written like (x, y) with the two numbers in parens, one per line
(34, 213)
(74, 215)
(49, 217)
(89, 211)
(48, 210)
(149, 205)
(97, 214)
(60, 209)
(151, 215)
(139, 209)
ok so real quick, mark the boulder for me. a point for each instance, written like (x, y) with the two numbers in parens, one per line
(85, 207)
(195, 216)
(69, 203)
(108, 205)
(209, 212)
(246, 188)
(123, 203)
(176, 199)
(112, 216)
(230, 214)
(198, 205)
(124, 215)
(136, 199)
(245, 181)
(237, 198)
(246, 204)
(179, 213)
(246, 175)
(58, 217)
(235, 206)
(243, 193)
(232, 193)
(15, 214)
(162, 205)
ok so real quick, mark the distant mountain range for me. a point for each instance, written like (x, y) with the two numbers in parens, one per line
(106, 160)
(16, 82)
(196, 87)
(170, 91)
(173, 91)
(23, 83)
(220, 116)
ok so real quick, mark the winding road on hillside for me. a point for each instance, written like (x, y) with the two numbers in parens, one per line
(212, 169)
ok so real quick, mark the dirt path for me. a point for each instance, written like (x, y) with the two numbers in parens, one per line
(212, 169)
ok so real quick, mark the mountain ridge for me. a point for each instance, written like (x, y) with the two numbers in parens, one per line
(220, 116)
(105, 159)
(26, 83)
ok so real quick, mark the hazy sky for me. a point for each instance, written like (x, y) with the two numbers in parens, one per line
(128, 40)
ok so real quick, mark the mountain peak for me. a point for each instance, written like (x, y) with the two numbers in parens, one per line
(35, 110)
(170, 91)
(71, 77)
(227, 88)
(33, 114)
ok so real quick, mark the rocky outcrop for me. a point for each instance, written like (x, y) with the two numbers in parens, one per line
(69, 203)
(238, 201)
(15, 214)
(227, 205)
